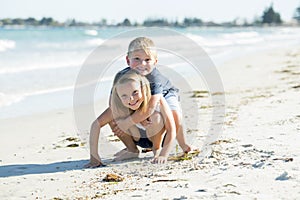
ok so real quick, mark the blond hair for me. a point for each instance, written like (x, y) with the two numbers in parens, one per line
(118, 109)
(142, 43)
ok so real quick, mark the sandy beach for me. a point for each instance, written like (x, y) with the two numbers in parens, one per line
(255, 157)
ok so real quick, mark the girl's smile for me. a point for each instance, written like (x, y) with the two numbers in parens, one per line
(130, 94)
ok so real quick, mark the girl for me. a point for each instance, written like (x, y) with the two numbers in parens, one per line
(130, 93)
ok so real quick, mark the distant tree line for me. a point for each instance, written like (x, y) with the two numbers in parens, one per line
(269, 16)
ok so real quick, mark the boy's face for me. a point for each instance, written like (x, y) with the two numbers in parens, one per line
(141, 62)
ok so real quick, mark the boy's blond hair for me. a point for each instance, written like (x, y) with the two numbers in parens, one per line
(118, 109)
(142, 43)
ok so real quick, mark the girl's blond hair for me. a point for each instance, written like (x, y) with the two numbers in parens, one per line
(142, 43)
(118, 109)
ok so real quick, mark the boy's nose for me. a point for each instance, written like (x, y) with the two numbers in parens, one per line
(144, 62)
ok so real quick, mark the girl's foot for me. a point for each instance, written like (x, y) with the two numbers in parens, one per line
(125, 155)
(120, 152)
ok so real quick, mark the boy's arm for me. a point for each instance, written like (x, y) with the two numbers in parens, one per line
(139, 116)
(169, 126)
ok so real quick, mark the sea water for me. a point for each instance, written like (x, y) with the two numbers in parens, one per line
(39, 66)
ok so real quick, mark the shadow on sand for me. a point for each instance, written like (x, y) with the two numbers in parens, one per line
(25, 169)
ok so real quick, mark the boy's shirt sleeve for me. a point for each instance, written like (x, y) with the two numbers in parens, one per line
(156, 88)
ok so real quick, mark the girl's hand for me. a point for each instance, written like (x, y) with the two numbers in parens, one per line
(160, 160)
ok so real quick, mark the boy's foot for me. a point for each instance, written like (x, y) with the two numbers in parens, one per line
(125, 155)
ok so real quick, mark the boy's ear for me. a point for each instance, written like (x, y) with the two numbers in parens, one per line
(128, 61)
(155, 62)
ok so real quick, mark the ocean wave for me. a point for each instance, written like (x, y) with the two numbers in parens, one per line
(78, 45)
(91, 32)
(7, 44)
(44, 66)
(242, 34)
(209, 42)
(8, 99)
(228, 39)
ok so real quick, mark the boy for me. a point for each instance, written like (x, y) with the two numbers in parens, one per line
(142, 57)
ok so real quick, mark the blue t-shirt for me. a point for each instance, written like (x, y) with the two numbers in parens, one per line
(159, 84)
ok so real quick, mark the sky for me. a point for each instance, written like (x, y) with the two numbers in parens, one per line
(138, 10)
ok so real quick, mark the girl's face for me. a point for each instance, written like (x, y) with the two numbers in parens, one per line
(130, 94)
(141, 62)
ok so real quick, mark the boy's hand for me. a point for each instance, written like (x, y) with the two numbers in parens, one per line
(116, 130)
(94, 163)
(146, 122)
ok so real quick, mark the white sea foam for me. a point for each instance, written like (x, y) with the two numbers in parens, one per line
(6, 45)
(91, 32)
(8, 99)
(76, 45)
(44, 66)
(209, 42)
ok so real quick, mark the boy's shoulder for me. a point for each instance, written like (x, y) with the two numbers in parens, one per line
(120, 73)
(123, 71)
(156, 75)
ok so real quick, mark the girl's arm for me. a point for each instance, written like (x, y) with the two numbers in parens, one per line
(102, 120)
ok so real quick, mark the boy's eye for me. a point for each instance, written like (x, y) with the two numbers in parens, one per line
(148, 60)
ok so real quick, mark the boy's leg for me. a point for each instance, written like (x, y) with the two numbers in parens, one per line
(180, 137)
(173, 102)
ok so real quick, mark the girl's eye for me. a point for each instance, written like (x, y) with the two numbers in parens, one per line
(124, 97)
(135, 93)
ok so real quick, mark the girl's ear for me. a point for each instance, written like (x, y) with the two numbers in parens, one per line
(128, 61)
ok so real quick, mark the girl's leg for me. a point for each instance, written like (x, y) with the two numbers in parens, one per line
(131, 150)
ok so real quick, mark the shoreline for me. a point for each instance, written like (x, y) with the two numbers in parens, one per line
(255, 157)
